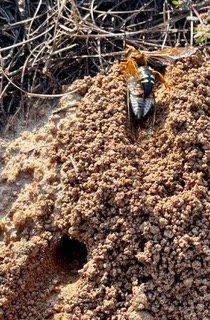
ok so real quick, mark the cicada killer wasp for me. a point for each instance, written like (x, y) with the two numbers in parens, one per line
(141, 78)
(140, 81)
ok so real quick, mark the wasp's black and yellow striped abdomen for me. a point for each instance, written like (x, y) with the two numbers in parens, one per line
(147, 79)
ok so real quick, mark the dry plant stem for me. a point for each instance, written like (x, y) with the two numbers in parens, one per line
(12, 118)
(191, 28)
(34, 17)
(65, 49)
(166, 21)
(74, 164)
(27, 62)
(91, 11)
(26, 41)
(29, 94)
(63, 3)
(192, 7)
(184, 31)
(99, 51)
(76, 16)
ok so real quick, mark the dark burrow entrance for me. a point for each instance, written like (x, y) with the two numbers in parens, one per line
(70, 254)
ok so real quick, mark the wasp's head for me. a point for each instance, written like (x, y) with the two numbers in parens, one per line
(131, 52)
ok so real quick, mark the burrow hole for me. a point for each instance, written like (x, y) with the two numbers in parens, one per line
(70, 254)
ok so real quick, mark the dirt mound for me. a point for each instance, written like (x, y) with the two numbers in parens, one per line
(101, 225)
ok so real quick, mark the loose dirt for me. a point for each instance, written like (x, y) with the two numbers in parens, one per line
(99, 223)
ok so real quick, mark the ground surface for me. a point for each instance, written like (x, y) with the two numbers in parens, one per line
(99, 224)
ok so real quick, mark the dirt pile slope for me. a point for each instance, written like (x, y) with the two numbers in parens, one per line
(132, 215)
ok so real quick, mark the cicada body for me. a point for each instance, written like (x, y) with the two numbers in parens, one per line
(140, 96)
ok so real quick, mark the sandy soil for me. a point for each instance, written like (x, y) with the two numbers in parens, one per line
(100, 224)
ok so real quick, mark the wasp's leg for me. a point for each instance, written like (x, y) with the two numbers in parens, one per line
(123, 64)
(161, 77)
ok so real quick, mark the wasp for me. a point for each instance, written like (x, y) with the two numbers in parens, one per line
(158, 58)
(141, 78)
(140, 82)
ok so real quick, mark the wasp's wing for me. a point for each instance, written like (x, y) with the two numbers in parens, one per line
(165, 57)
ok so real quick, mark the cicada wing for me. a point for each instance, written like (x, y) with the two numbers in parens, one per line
(154, 111)
(130, 116)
